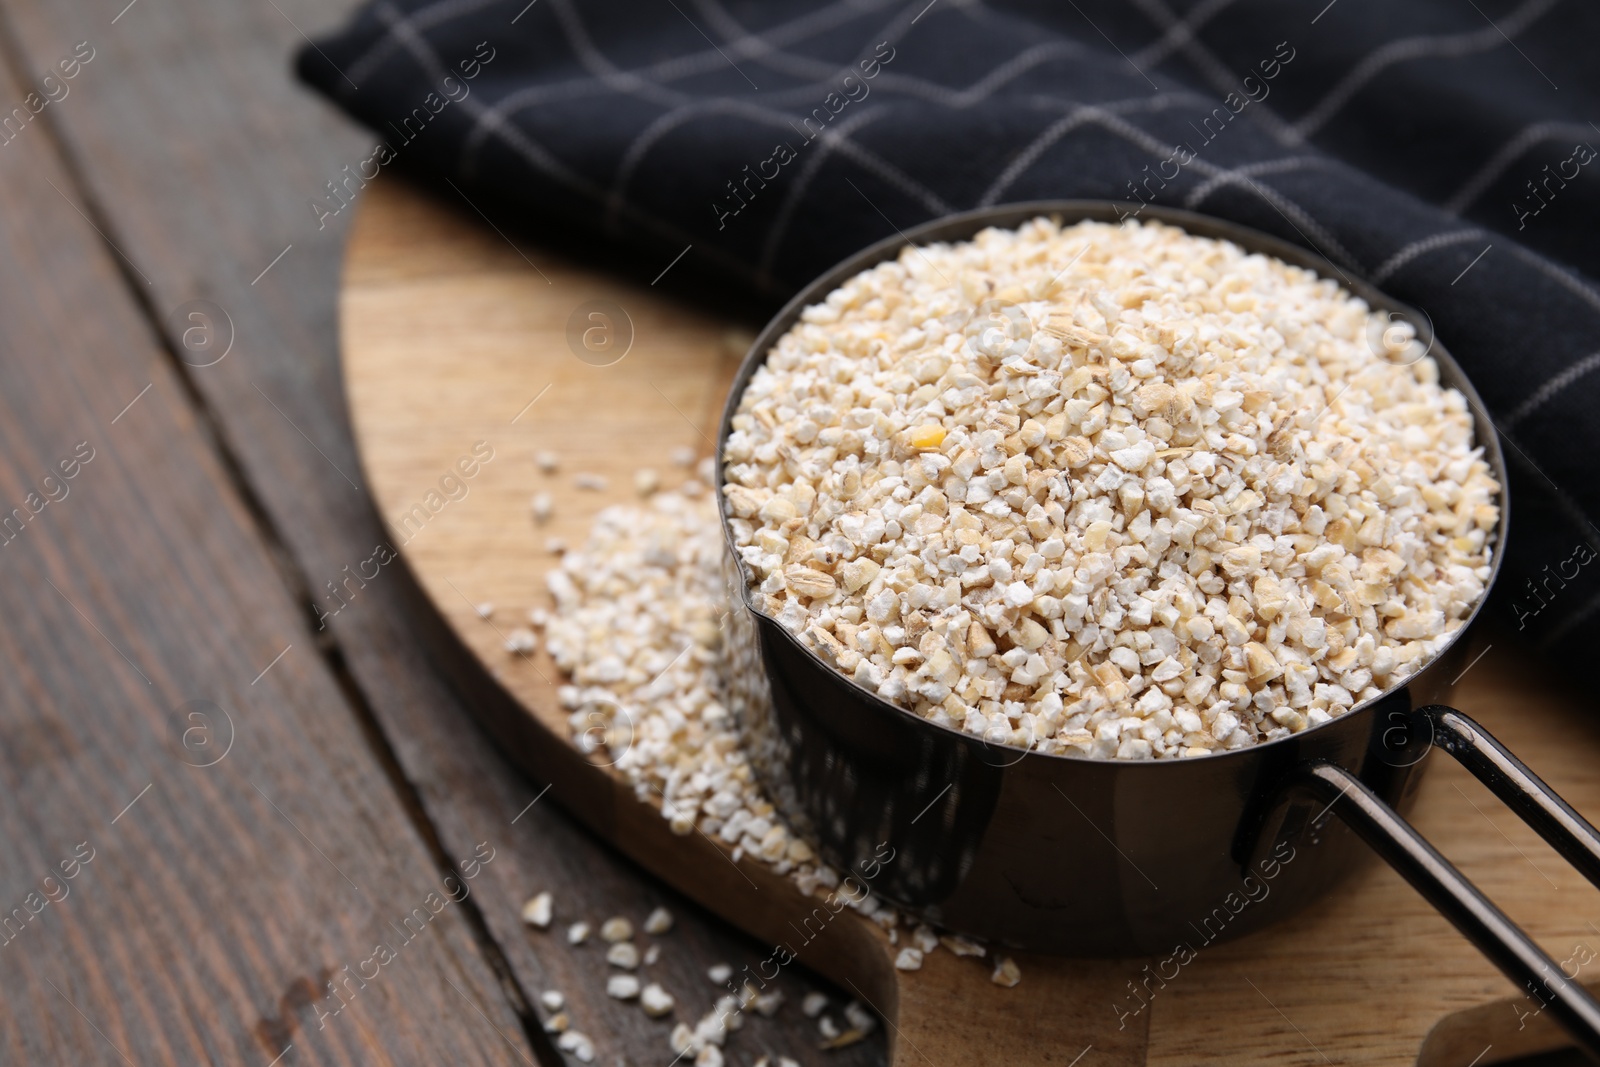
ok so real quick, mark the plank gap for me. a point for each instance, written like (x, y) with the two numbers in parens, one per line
(411, 800)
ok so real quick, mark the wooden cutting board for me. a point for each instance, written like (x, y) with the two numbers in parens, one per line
(454, 338)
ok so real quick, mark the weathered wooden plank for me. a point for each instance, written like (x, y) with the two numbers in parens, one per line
(195, 836)
(252, 150)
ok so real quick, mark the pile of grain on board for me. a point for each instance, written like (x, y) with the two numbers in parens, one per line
(1109, 490)
(637, 629)
(637, 626)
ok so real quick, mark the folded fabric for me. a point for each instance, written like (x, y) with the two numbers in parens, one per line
(1442, 149)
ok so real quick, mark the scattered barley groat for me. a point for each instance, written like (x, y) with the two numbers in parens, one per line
(616, 929)
(1006, 972)
(538, 911)
(909, 959)
(622, 986)
(656, 1002)
(658, 922)
(1109, 490)
(962, 946)
(577, 1043)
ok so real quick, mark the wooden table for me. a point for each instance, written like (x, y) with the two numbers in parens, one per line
(248, 797)
(264, 800)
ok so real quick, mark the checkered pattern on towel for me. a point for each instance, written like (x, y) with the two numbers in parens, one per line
(1440, 148)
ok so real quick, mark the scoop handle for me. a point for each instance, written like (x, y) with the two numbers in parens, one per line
(1447, 889)
(1518, 787)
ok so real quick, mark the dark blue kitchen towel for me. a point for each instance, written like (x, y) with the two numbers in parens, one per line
(1443, 149)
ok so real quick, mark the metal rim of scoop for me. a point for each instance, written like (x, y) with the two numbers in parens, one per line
(966, 225)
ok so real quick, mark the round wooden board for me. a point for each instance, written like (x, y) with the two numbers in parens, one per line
(455, 340)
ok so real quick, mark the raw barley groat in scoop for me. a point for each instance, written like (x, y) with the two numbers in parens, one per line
(1109, 490)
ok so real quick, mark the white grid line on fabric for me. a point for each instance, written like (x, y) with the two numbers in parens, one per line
(771, 40)
(718, 16)
(890, 174)
(753, 48)
(595, 62)
(1077, 116)
(813, 92)
(1250, 170)
(979, 90)
(791, 199)
(846, 147)
(662, 125)
(760, 46)
(1017, 65)
(692, 63)
(673, 119)
(729, 28)
(422, 19)
(1302, 220)
(955, 99)
(1502, 159)
(1180, 32)
(828, 74)
(1421, 246)
(1297, 216)
(1550, 389)
(536, 155)
(1215, 71)
(1440, 46)
(984, 87)
(540, 158)
(534, 95)
(1562, 277)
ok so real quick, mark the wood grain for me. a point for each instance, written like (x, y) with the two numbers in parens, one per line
(211, 905)
(198, 155)
(1372, 976)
